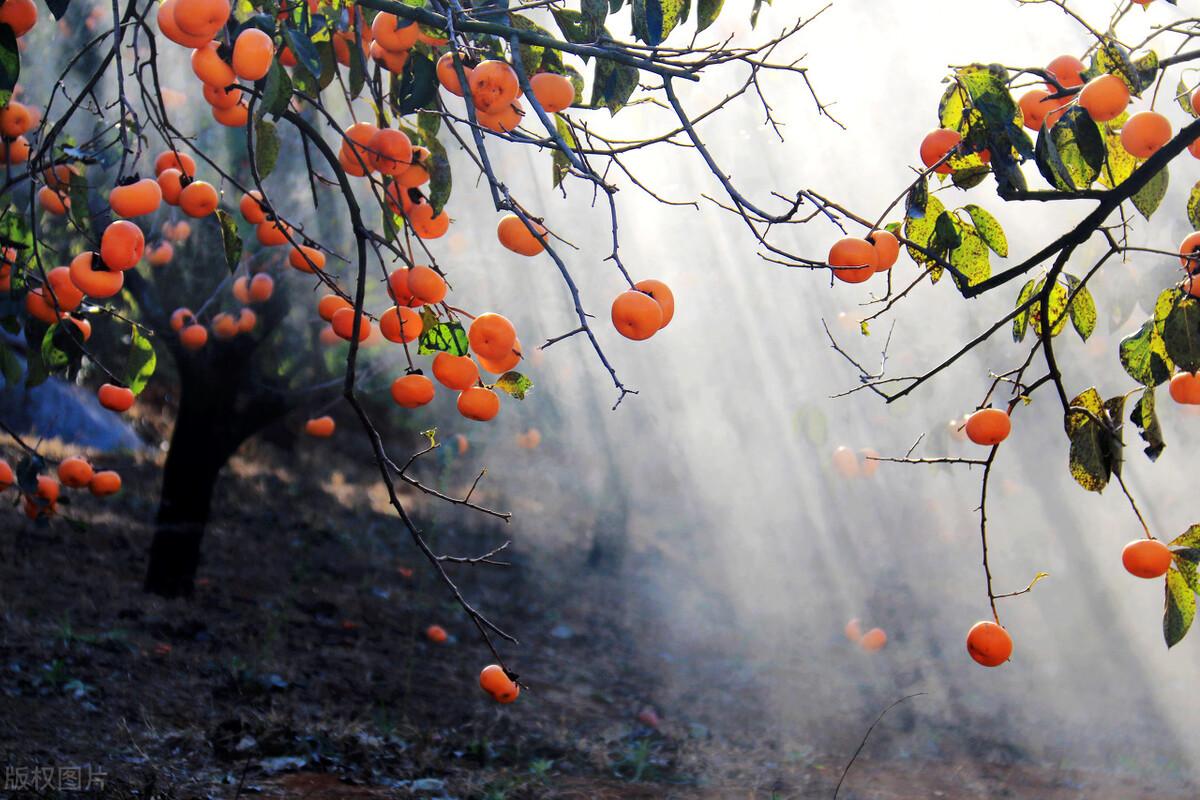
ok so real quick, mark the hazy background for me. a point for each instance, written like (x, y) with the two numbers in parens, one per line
(762, 553)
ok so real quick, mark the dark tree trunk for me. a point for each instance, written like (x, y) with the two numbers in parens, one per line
(222, 403)
(610, 537)
(203, 440)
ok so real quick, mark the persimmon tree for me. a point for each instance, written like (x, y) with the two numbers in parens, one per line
(1091, 129)
(371, 97)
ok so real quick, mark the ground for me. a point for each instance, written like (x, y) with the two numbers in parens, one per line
(300, 669)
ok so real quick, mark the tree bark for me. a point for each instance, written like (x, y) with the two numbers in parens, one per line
(219, 409)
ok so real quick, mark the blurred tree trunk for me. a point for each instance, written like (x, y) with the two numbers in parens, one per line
(224, 399)
(216, 414)
(610, 537)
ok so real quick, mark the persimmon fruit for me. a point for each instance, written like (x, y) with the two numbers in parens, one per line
(989, 644)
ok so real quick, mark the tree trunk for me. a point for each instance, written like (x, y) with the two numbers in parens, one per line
(218, 410)
(200, 446)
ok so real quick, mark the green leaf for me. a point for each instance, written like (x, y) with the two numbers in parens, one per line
(10, 368)
(266, 147)
(575, 26)
(277, 91)
(10, 63)
(1119, 163)
(758, 4)
(1021, 321)
(1183, 96)
(594, 14)
(440, 179)
(989, 229)
(1146, 420)
(916, 199)
(1144, 356)
(52, 355)
(653, 20)
(428, 123)
(1181, 334)
(1147, 68)
(1057, 309)
(1114, 59)
(1095, 441)
(444, 337)
(614, 85)
(561, 164)
(969, 257)
(707, 13)
(1149, 197)
(81, 213)
(142, 361)
(1070, 154)
(358, 70)
(531, 54)
(1193, 207)
(231, 239)
(416, 87)
(1189, 538)
(1082, 309)
(516, 384)
(1164, 304)
(920, 230)
(1180, 608)
(305, 51)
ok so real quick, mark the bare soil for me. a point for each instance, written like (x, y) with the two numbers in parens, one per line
(300, 669)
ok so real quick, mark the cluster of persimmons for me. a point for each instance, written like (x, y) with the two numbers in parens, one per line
(225, 60)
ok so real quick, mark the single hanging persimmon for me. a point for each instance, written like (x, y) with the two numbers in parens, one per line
(989, 644)
(1104, 98)
(1067, 70)
(75, 472)
(554, 93)
(492, 335)
(988, 426)
(936, 145)
(92, 277)
(494, 85)
(1146, 558)
(400, 324)
(662, 295)
(251, 207)
(174, 159)
(320, 428)
(115, 398)
(193, 337)
(253, 52)
(426, 285)
(105, 483)
(1185, 388)
(1145, 133)
(853, 260)
(170, 183)
(887, 249)
(122, 245)
(513, 234)
(201, 17)
(135, 198)
(455, 372)
(412, 391)
(198, 199)
(478, 403)
(636, 315)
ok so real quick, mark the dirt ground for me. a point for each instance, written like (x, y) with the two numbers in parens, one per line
(300, 670)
